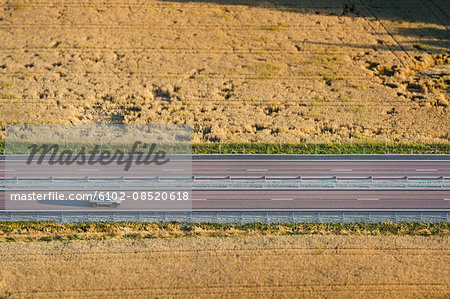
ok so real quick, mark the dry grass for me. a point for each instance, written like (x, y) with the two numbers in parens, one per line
(98, 61)
(52, 231)
(263, 267)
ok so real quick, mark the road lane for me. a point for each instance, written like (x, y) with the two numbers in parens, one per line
(321, 199)
(239, 168)
(321, 168)
(284, 200)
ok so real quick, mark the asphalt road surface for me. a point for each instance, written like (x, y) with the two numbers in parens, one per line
(240, 200)
(321, 200)
(232, 167)
(285, 199)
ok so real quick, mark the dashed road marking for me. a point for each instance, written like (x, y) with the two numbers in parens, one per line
(281, 198)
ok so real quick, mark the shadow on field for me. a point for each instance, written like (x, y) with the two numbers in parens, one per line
(427, 13)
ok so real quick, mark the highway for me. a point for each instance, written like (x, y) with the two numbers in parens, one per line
(246, 200)
(230, 166)
(389, 166)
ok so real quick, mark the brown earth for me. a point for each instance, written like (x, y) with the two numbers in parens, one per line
(254, 267)
(259, 70)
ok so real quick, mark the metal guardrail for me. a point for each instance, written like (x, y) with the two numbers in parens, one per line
(234, 217)
(224, 178)
(225, 183)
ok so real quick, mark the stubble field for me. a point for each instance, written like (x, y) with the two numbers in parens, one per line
(280, 266)
(262, 71)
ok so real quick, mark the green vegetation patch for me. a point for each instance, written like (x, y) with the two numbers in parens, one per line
(320, 148)
(303, 148)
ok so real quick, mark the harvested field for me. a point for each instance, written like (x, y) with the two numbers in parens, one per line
(280, 266)
(259, 70)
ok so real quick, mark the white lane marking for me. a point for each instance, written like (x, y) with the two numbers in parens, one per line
(281, 199)
(257, 170)
(199, 199)
(446, 198)
(175, 169)
(426, 170)
(342, 169)
(367, 199)
(9, 170)
(88, 169)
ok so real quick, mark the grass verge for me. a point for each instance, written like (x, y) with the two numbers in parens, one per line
(320, 148)
(53, 231)
(311, 148)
